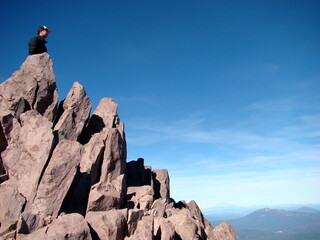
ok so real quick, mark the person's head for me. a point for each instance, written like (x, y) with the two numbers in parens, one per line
(43, 31)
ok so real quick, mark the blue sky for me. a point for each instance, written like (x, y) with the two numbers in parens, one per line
(223, 94)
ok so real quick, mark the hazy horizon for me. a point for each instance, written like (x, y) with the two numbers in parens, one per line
(227, 205)
(223, 94)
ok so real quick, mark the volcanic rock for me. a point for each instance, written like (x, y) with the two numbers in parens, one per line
(11, 203)
(53, 187)
(74, 112)
(64, 175)
(223, 231)
(26, 156)
(161, 184)
(108, 224)
(70, 226)
(31, 87)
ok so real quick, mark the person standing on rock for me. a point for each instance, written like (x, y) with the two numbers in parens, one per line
(37, 44)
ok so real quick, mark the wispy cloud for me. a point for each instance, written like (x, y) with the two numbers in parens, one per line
(191, 131)
(281, 161)
(251, 187)
(285, 104)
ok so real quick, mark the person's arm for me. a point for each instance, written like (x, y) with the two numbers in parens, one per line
(33, 46)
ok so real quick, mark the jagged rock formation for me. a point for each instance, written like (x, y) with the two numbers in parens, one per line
(64, 175)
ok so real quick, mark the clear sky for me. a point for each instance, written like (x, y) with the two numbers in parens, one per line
(223, 94)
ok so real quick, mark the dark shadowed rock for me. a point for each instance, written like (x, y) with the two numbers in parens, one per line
(161, 184)
(137, 174)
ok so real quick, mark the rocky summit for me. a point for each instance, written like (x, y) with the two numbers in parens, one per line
(64, 173)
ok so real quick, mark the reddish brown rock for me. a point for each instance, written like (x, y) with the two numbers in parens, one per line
(11, 203)
(28, 152)
(134, 216)
(100, 182)
(31, 87)
(94, 138)
(108, 224)
(140, 197)
(74, 110)
(114, 159)
(158, 208)
(107, 195)
(70, 226)
(144, 229)
(186, 226)
(161, 184)
(166, 230)
(52, 188)
(195, 211)
(223, 231)
(82, 169)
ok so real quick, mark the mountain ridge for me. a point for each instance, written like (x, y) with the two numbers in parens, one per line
(267, 223)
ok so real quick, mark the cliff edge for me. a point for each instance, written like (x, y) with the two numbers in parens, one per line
(64, 175)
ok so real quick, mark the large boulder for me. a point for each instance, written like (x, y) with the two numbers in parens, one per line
(223, 231)
(107, 195)
(69, 226)
(108, 224)
(186, 226)
(31, 87)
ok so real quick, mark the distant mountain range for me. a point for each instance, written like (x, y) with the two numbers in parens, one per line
(226, 211)
(278, 224)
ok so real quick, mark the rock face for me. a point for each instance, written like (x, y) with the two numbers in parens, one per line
(64, 175)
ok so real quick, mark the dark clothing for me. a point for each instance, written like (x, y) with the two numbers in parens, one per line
(37, 45)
